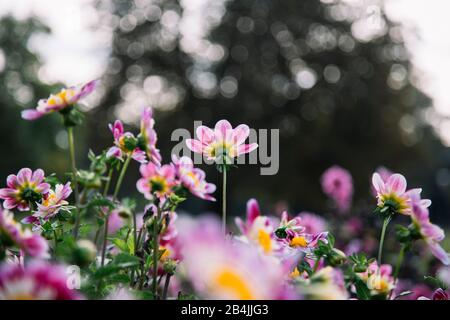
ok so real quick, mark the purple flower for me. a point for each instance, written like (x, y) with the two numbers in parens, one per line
(125, 144)
(222, 140)
(25, 188)
(393, 192)
(156, 180)
(337, 183)
(14, 235)
(57, 102)
(193, 179)
(149, 137)
(430, 233)
(221, 269)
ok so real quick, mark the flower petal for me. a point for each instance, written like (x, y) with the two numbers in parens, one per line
(377, 183)
(194, 145)
(240, 134)
(223, 130)
(396, 183)
(205, 135)
(31, 114)
(24, 175)
(246, 148)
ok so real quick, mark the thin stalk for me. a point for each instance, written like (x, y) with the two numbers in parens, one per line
(155, 254)
(224, 201)
(108, 182)
(316, 264)
(383, 234)
(166, 286)
(398, 265)
(116, 191)
(74, 179)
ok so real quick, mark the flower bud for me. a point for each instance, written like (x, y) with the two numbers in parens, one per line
(336, 257)
(84, 252)
(169, 266)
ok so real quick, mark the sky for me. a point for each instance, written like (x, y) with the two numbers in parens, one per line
(76, 53)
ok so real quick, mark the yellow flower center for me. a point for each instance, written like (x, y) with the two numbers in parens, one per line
(295, 273)
(298, 242)
(165, 254)
(235, 284)
(264, 240)
(159, 184)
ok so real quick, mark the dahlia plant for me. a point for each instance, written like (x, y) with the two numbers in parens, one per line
(140, 248)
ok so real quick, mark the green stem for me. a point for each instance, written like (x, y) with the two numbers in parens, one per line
(74, 179)
(116, 191)
(56, 240)
(108, 182)
(166, 286)
(316, 264)
(224, 201)
(121, 176)
(383, 233)
(155, 254)
(398, 265)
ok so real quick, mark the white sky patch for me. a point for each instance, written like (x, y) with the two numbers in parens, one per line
(74, 52)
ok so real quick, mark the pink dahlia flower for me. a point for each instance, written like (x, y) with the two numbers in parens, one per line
(149, 137)
(221, 269)
(36, 281)
(193, 179)
(337, 183)
(57, 102)
(223, 141)
(24, 188)
(392, 193)
(155, 180)
(51, 204)
(430, 233)
(257, 229)
(13, 235)
(125, 144)
(378, 279)
(312, 222)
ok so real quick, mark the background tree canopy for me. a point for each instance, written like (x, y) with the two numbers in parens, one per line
(296, 66)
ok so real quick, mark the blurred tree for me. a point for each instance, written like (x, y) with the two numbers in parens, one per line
(333, 78)
(24, 143)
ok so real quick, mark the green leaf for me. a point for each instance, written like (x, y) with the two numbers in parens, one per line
(362, 291)
(125, 260)
(121, 244)
(106, 271)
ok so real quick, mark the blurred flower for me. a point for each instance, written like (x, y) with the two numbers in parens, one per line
(121, 293)
(429, 232)
(149, 137)
(325, 284)
(392, 194)
(439, 294)
(115, 221)
(57, 102)
(257, 229)
(156, 180)
(337, 183)
(293, 235)
(222, 142)
(25, 188)
(12, 234)
(443, 274)
(220, 269)
(52, 202)
(378, 279)
(125, 144)
(312, 222)
(36, 281)
(193, 179)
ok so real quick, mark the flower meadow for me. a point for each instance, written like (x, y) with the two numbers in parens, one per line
(74, 238)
